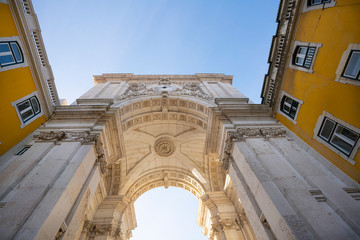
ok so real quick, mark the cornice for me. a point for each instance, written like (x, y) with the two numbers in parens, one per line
(30, 34)
(125, 77)
(287, 17)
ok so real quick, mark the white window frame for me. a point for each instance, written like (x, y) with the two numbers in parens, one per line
(283, 93)
(342, 64)
(14, 104)
(317, 129)
(304, 44)
(17, 65)
(307, 8)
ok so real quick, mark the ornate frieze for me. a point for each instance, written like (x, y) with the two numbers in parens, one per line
(84, 137)
(164, 86)
(65, 136)
(111, 230)
(243, 133)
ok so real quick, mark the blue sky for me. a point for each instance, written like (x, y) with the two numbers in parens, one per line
(85, 38)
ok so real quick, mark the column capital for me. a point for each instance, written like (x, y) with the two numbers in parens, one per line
(230, 223)
(241, 134)
(102, 229)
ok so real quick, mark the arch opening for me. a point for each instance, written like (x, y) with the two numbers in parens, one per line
(157, 218)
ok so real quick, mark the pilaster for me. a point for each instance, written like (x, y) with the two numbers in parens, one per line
(107, 220)
(282, 188)
(226, 224)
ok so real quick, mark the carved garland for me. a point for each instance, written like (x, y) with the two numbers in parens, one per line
(243, 133)
(84, 137)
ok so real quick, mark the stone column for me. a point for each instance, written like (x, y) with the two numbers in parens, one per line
(282, 189)
(226, 224)
(45, 189)
(106, 224)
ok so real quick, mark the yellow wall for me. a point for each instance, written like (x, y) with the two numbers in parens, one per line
(334, 27)
(14, 84)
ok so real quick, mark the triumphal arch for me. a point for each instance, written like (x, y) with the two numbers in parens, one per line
(131, 133)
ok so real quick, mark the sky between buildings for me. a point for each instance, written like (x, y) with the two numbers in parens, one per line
(91, 37)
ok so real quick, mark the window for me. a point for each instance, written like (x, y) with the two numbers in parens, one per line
(303, 56)
(28, 108)
(339, 136)
(289, 106)
(10, 53)
(317, 2)
(352, 68)
(348, 70)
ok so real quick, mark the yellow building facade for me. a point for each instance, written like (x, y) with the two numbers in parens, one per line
(28, 93)
(313, 81)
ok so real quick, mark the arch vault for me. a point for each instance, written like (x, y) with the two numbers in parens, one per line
(132, 133)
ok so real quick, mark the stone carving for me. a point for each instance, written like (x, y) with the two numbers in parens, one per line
(164, 147)
(243, 219)
(243, 133)
(68, 136)
(103, 229)
(110, 230)
(88, 228)
(100, 155)
(164, 86)
(230, 223)
(272, 132)
(83, 137)
(227, 156)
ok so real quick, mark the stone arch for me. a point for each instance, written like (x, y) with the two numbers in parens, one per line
(165, 178)
(177, 111)
(169, 108)
(118, 137)
(171, 117)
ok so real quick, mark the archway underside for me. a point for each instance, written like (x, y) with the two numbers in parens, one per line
(164, 142)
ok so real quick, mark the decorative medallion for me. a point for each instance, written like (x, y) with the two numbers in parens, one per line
(164, 147)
